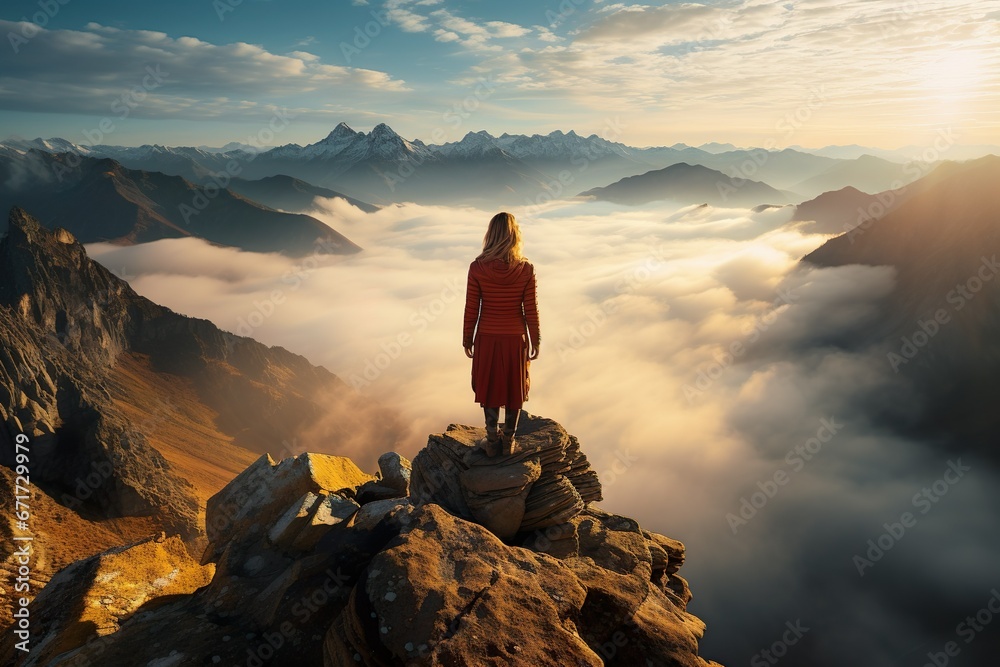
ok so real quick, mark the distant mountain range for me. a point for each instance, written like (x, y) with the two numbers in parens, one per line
(97, 199)
(508, 170)
(953, 151)
(688, 184)
(867, 173)
(941, 324)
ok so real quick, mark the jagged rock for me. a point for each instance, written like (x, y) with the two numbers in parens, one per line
(308, 519)
(253, 503)
(393, 480)
(91, 597)
(564, 486)
(614, 542)
(448, 592)
(674, 550)
(396, 510)
(396, 471)
(284, 531)
(331, 510)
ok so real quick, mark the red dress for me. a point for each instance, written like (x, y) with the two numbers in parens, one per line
(501, 317)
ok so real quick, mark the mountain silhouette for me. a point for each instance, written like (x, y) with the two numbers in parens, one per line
(688, 184)
(941, 323)
(97, 199)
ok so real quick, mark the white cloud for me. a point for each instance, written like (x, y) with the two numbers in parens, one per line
(86, 71)
(449, 27)
(668, 22)
(407, 20)
(445, 36)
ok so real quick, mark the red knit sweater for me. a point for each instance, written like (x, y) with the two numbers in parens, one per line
(500, 299)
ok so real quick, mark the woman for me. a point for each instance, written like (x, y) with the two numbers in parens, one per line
(501, 329)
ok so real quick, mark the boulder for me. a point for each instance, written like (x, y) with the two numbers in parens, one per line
(255, 501)
(91, 597)
(374, 490)
(396, 472)
(308, 518)
(448, 592)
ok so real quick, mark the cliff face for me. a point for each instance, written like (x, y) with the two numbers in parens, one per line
(63, 322)
(136, 414)
(310, 569)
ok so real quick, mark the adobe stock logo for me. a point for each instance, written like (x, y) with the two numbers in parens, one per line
(924, 500)
(796, 459)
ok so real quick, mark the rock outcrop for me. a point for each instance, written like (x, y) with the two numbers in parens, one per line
(543, 484)
(309, 572)
(90, 598)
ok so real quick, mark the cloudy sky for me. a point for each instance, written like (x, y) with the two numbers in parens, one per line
(809, 72)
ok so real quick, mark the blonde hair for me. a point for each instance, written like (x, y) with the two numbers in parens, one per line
(502, 239)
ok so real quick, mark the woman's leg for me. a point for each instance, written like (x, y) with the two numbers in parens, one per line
(510, 419)
(491, 443)
(492, 418)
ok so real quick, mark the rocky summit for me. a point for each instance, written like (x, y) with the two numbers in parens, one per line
(542, 485)
(458, 559)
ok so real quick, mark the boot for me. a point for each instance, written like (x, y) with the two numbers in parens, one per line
(491, 443)
(508, 443)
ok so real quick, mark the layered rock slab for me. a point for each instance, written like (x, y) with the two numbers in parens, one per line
(501, 491)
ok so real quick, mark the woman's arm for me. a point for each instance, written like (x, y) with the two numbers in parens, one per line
(473, 297)
(530, 303)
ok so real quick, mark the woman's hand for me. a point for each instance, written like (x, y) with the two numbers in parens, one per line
(534, 354)
(468, 352)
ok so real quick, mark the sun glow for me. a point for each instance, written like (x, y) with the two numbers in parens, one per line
(953, 77)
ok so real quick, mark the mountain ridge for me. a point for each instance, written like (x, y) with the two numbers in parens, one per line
(138, 414)
(382, 167)
(98, 199)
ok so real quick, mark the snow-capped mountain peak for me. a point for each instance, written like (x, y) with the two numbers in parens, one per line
(559, 145)
(383, 143)
(333, 144)
(472, 145)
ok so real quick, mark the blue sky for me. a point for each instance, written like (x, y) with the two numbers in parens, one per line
(752, 72)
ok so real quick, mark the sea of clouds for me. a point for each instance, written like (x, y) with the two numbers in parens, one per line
(713, 380)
